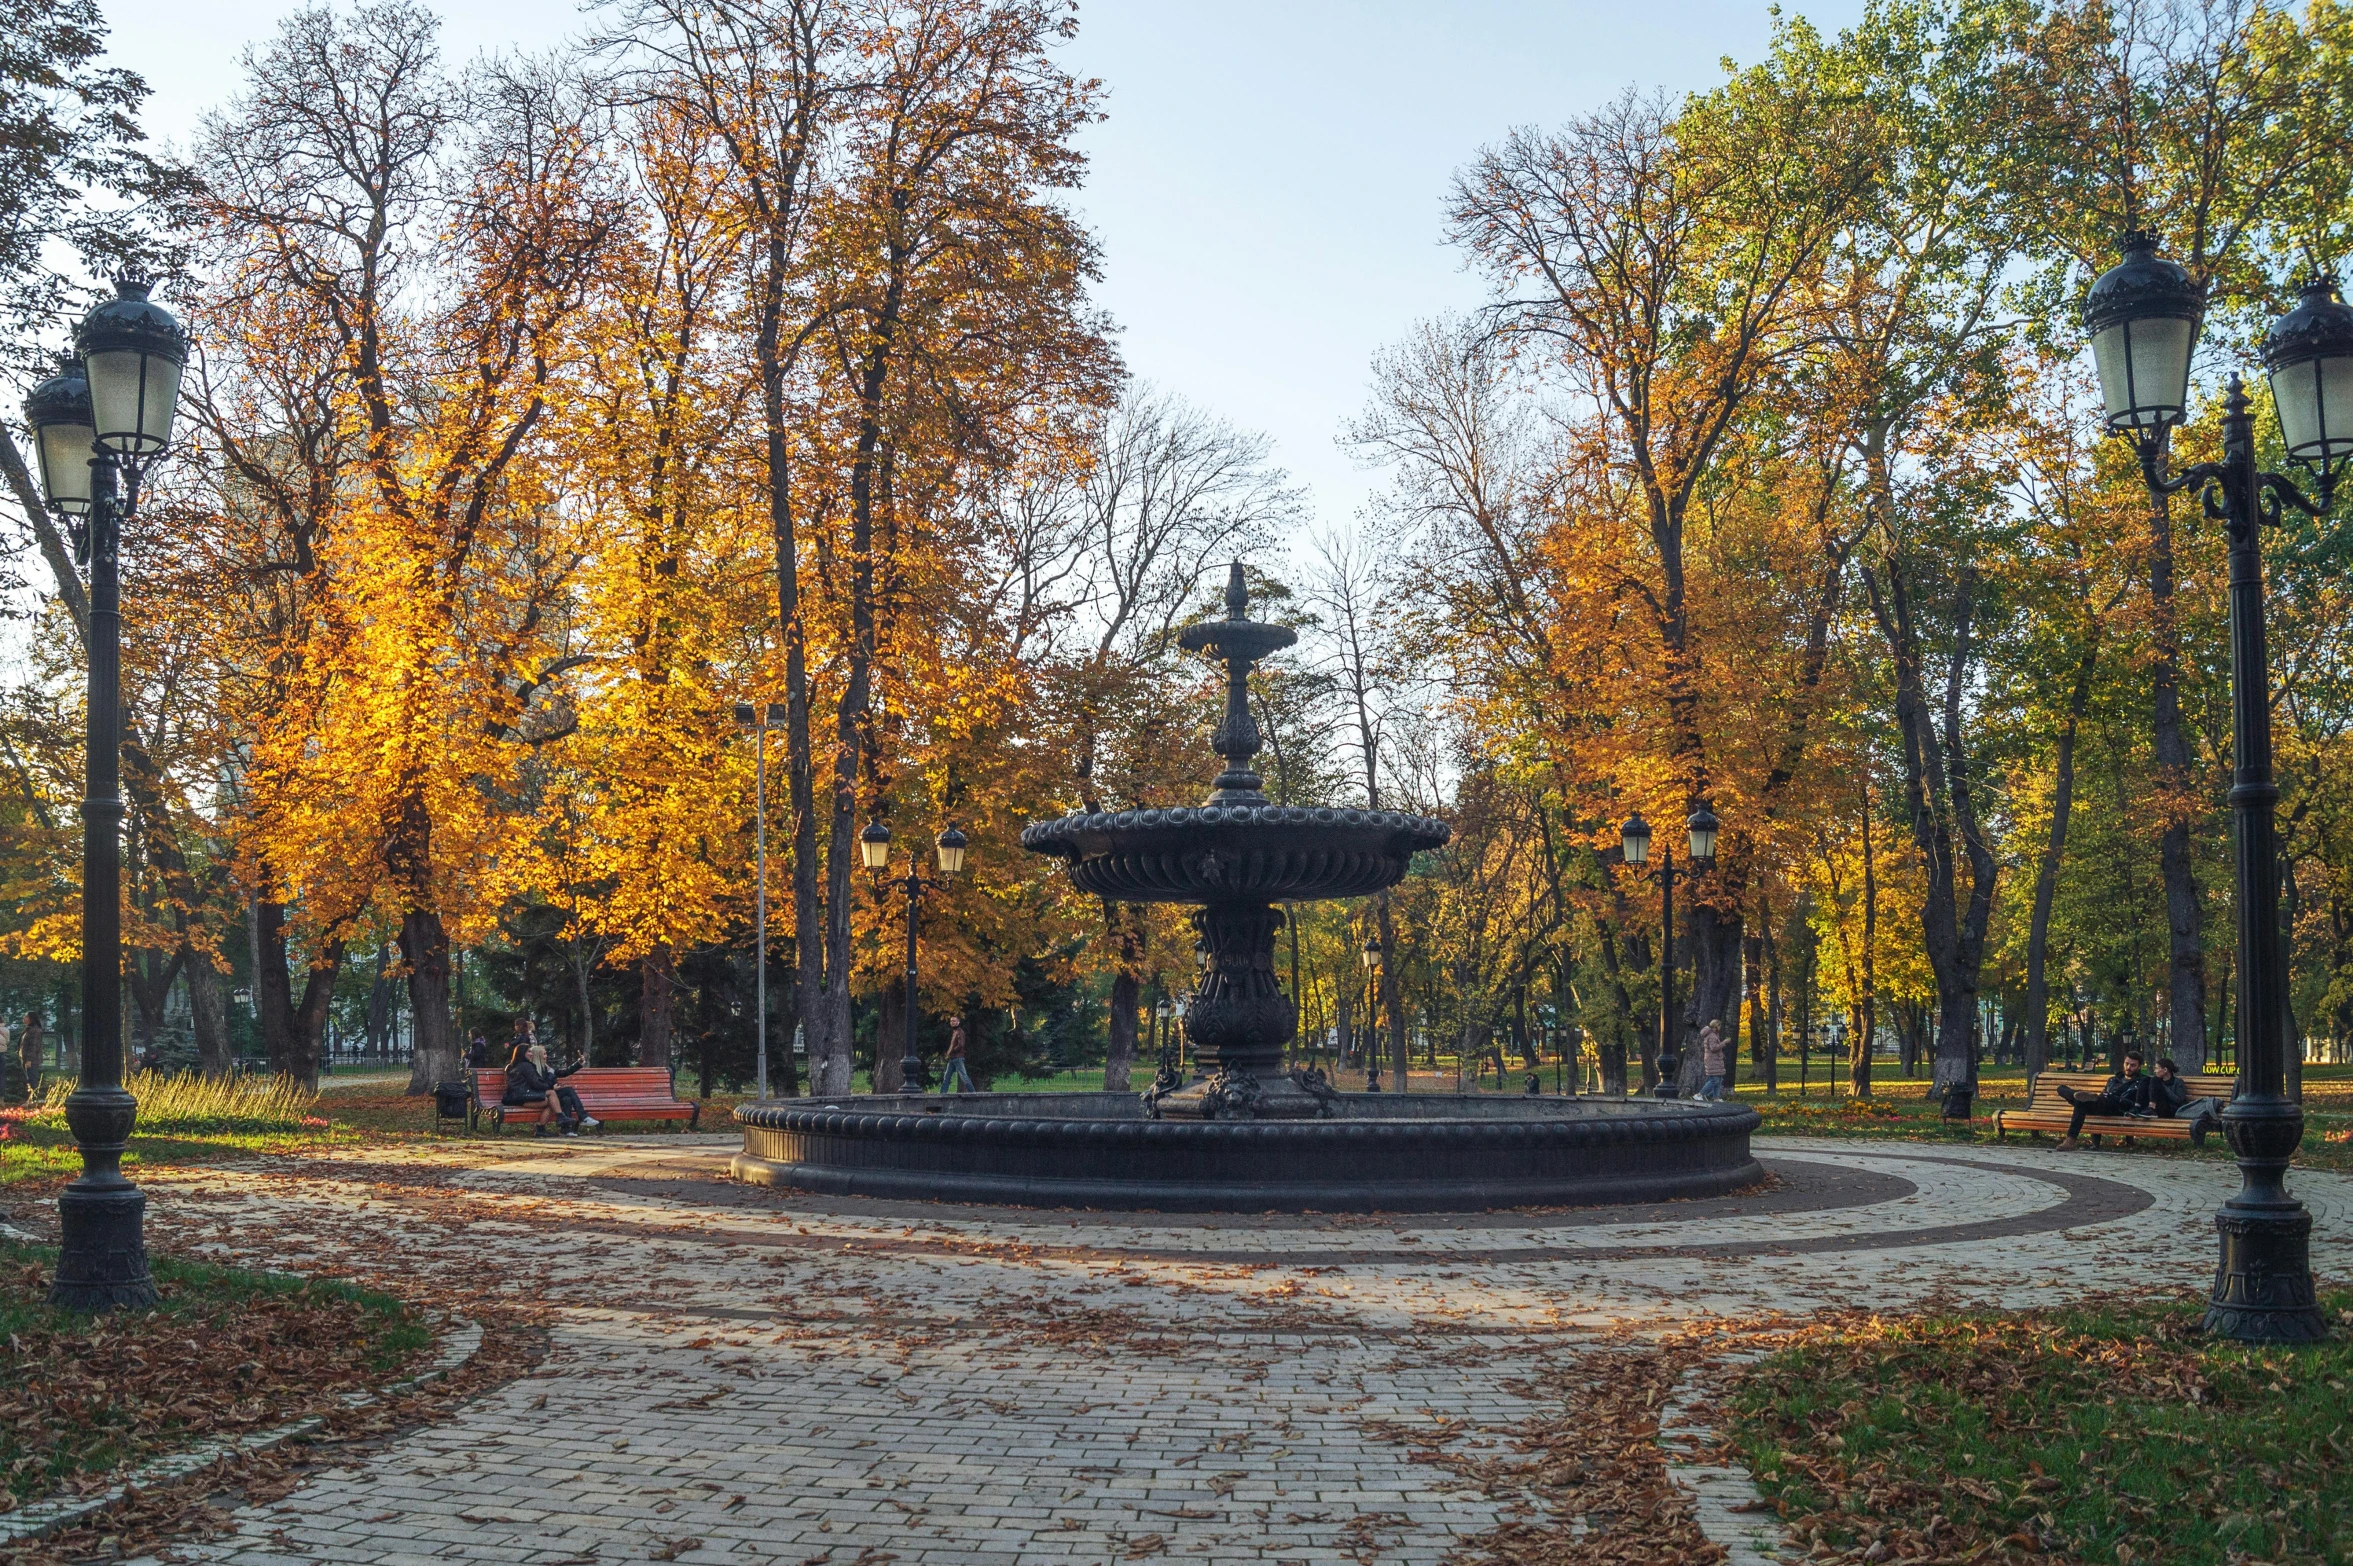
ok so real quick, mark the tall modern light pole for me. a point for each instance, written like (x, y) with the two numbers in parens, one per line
(106, 415)
(2143, 315)
(874, 846)
(1634, 838)
(759, 723)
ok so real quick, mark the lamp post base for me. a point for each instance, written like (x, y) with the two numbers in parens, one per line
(2263, 1285)
(2263, 1289)
(102, 1255)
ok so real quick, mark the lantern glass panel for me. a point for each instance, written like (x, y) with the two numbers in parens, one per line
(2315, 402)
(951, 851)
(65, 452)
(2144, 368)
(133, 394)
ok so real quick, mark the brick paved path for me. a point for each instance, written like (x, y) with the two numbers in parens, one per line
(822, 1380)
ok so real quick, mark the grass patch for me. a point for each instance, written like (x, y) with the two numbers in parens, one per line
(2120, 1434)
(187, 1102)
(226, 1351)
(183, 1119)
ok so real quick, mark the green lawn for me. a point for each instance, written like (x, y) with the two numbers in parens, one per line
(2117, 1434)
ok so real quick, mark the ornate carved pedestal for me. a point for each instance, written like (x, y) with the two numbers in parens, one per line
(102, 1261)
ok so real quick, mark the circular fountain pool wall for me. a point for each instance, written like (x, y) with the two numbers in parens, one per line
(1379, 1152)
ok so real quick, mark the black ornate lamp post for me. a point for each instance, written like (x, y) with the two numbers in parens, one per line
(1634, 838)
(874, 846)
(2143, 315)
(1373, 958)
(105, 416)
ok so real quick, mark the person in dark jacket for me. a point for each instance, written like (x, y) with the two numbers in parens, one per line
(2169, 1096)
(529, 1081)
(2126, 1093)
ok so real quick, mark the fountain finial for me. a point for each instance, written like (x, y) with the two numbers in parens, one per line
(1240, 643)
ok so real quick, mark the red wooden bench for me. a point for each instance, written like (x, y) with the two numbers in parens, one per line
(606, 1092)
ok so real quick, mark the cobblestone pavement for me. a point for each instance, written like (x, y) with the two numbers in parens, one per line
(740, 1375)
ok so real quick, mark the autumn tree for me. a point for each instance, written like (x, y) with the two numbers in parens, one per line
(440, 230)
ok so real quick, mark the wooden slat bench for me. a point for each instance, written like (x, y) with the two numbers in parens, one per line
(606, 1092)
(2045, 1110)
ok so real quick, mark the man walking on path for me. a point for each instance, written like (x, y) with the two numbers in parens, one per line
(957, 1078)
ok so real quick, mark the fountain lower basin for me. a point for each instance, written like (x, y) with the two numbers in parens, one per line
(1378, 1152)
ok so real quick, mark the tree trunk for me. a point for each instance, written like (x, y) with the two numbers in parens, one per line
(291, 1029)
(1866, 1018)
(1125, 925)
(208, 1012)
(380, 1006)
(32, 1049)
(1613, 1049)
(273, 993)
(1713, 940)
(1752, 968)
(1772, 1061)
(1400, 1061)
(2177, 794)
(2046, 875)
(657, 1006)
(424, 946)
(148, 978)
(1939, 797)
(890, 1037)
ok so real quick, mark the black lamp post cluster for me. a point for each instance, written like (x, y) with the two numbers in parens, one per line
(2143, 315)
(874, 847)
(100, 422)
(1634, 838)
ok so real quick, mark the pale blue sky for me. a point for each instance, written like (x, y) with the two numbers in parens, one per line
(1269, 185)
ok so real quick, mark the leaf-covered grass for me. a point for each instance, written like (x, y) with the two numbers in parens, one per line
(2110, 1435)
(226, 1351)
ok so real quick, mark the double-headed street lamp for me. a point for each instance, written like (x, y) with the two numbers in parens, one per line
(105, 415)
(2143, 315)
(759, 722)
(874, 846)
(1634, 837)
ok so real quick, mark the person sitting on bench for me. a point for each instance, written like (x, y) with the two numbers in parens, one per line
(2169, 1096)
(2126, 1093)
(529, 1081)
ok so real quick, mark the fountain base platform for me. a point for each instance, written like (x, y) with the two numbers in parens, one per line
(1378, 1152)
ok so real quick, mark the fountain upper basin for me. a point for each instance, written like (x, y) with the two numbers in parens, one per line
(1235, 853)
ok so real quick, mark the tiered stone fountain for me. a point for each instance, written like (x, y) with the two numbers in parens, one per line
(1250, 1136)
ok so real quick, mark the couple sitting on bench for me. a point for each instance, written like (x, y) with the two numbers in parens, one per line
(530, 1082)
(2161, 1097)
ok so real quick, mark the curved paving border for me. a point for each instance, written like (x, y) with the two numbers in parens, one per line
(1835, 1189)
(2083, 1199)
